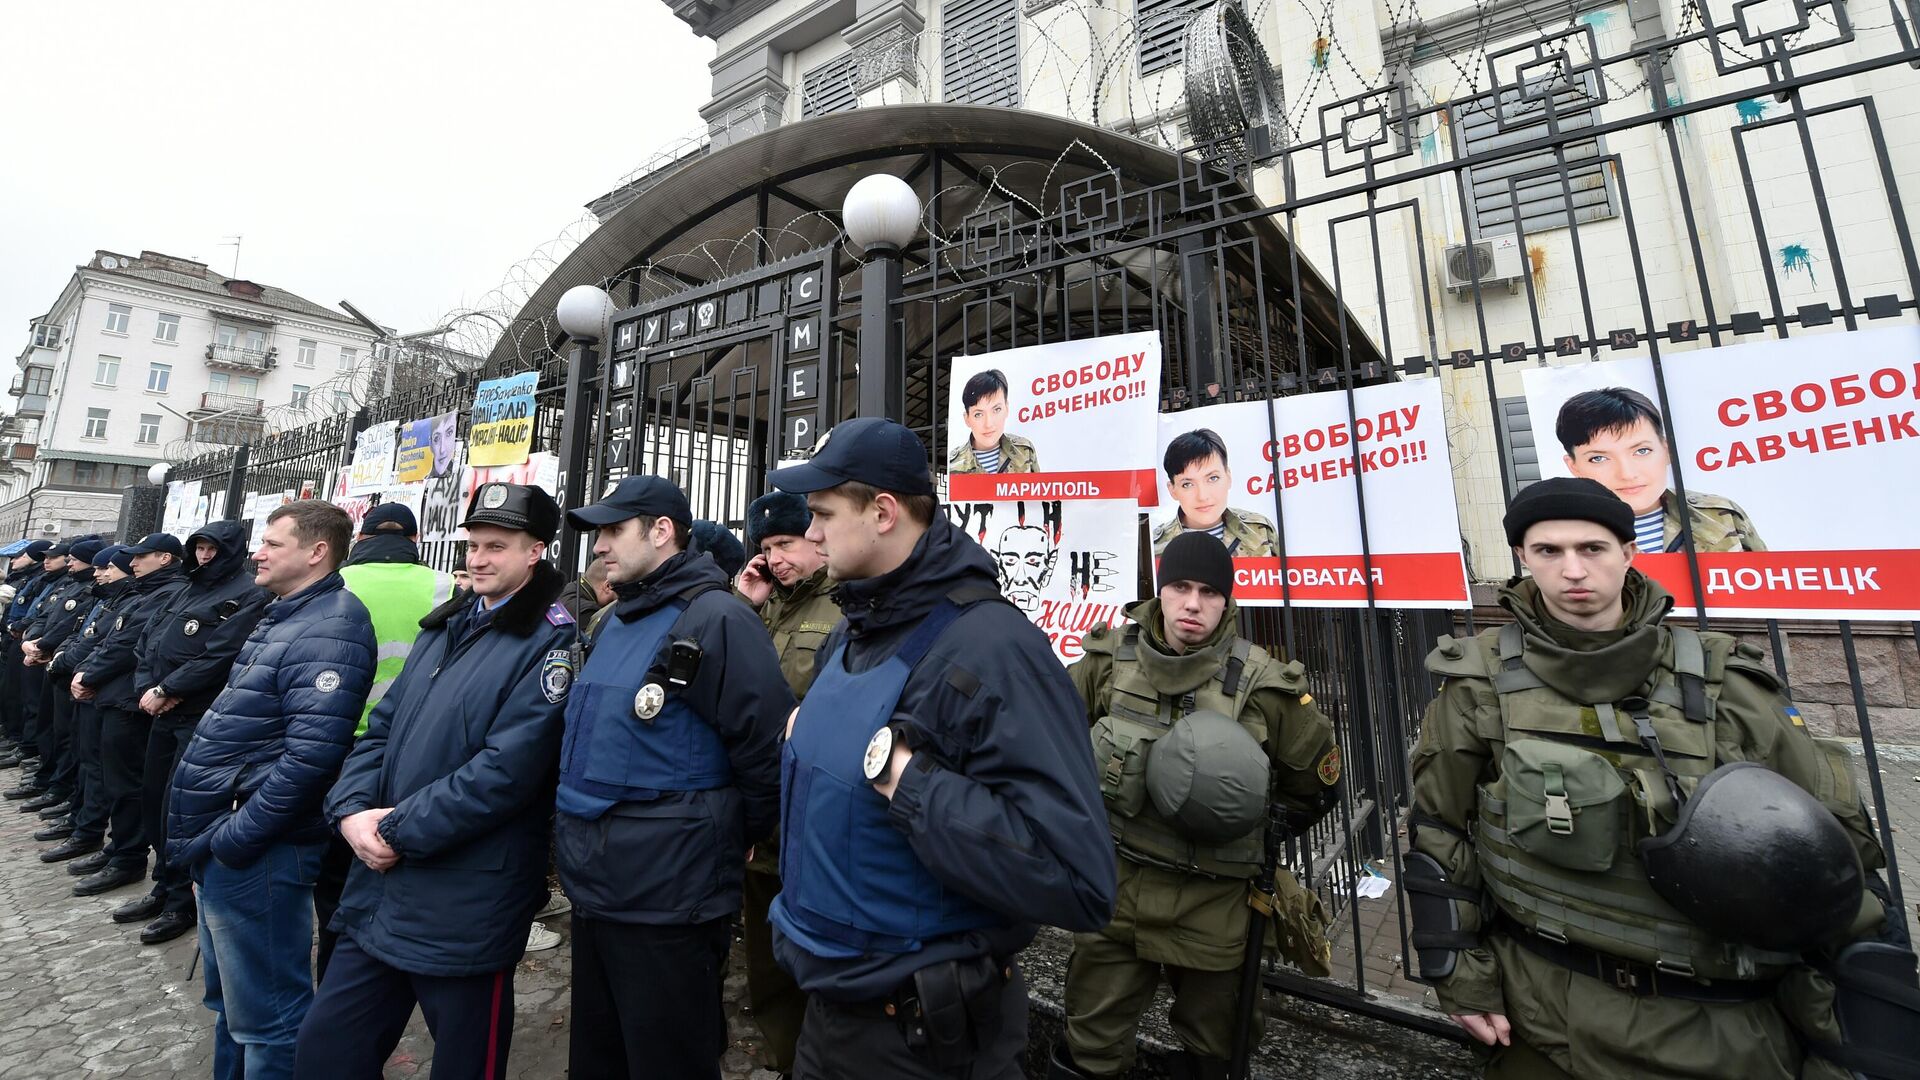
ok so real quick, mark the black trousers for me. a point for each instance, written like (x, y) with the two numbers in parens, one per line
(837, 1043)
(166, 741)
(11, 719)
(646, 1000)
(363, 1006)
(30, 686)
(335, 863)
(123, 757)
(58, 770)
(90, 802)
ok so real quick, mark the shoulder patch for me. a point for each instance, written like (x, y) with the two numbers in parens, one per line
(556, 675)
(560, 616)
(1250, 518)
(1329, 768)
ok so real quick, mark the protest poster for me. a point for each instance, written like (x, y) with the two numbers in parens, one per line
(1786, 447)
(502, 429)
(355, 504)
(1389, 455)
(1071, 565)
(426, 448)
(407, 495)
(259, 508)
(444, 500)
(372, 465)
(1068, 420)
(177, 518)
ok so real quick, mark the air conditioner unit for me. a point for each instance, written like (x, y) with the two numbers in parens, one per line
(50, 527)
(271, 362)
(1494, 260)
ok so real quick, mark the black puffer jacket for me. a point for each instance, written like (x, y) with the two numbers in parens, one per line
(109, 671)
(1010, 813)
(192, 642)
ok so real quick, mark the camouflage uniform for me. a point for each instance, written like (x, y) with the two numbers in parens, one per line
(1718, 524)
(1194, 925)
(1572, 1024)
(1016, 456)
(1248, 534)
(799, 619)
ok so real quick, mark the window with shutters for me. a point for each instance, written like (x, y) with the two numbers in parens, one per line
(828, 88)
(1530, 186)
(1523, 456)
(1161, 26)
(980, 52)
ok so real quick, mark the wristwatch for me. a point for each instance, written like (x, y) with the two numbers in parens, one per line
(878, 764)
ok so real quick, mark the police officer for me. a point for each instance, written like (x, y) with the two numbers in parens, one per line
(87, 824)
(787, 582)
(49, 562)
(183, 664)
(939, 793)
(1572, 789)
(445, 801)
(53, 620)
(60, 615)
(670, 772)
(1228, 726)
(106, 678)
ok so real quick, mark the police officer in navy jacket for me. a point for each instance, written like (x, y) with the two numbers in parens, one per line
(445, 803)
(668, 775)
(937, 787)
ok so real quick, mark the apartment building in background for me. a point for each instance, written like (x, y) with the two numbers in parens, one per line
(143, 358)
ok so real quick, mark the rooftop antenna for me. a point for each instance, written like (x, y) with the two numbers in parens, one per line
(234, 243)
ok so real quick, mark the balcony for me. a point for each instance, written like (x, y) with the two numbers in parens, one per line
(230, 404)
(241, 358)
(32, 405)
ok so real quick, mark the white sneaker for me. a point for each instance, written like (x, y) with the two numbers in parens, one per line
(557, 904)
(539, 937)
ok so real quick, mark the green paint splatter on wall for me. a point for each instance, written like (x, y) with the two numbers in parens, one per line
(1321, 49)
(1674, 101)
(1796, 258)
(1753, 109)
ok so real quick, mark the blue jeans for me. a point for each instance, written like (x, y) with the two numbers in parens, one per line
(256, 941)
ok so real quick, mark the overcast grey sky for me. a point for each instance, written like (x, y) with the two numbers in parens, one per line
(396, 153)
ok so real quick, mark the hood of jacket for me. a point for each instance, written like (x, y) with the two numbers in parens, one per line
(523, 611)
(680, 575)
(231, 538)
(945, 559)
(383, 548)
(1592, 665)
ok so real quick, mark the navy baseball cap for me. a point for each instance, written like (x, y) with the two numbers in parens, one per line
(159, 541)
(105, 556)
(871, 450)
(37, 550)
(392, 518)
(653, 496)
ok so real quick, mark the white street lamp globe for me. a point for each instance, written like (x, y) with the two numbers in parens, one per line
(157, 474)
(881, 211)
(583, 312)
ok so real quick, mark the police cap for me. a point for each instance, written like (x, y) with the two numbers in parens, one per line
(653, 496)
(105, 556)
(523, 507)
(159, 541)
(390, 518)
(867, 449)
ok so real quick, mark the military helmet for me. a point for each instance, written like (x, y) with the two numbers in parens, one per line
(1209, 777)
(1756, 860)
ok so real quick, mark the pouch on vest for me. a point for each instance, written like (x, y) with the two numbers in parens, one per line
(1564, 804)
(1298, 929)
(1120, 751)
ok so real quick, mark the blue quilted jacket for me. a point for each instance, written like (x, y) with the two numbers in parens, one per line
(271, 744)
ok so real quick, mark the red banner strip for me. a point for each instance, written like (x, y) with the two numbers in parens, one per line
(1137, 484)
(1791, 581)
(1397, 579)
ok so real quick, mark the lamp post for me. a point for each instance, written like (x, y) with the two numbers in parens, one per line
(881, 214)
(583, 312)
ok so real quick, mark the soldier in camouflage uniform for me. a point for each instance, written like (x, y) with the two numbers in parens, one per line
(1184, 897)
(1199, 481)
(984, 401)
(786, 581)
(1615, 435)
(1556, 744)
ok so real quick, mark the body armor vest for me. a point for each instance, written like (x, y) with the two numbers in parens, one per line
(1580, 783)
(851, 884)
(1138, 714)
(610, 754)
